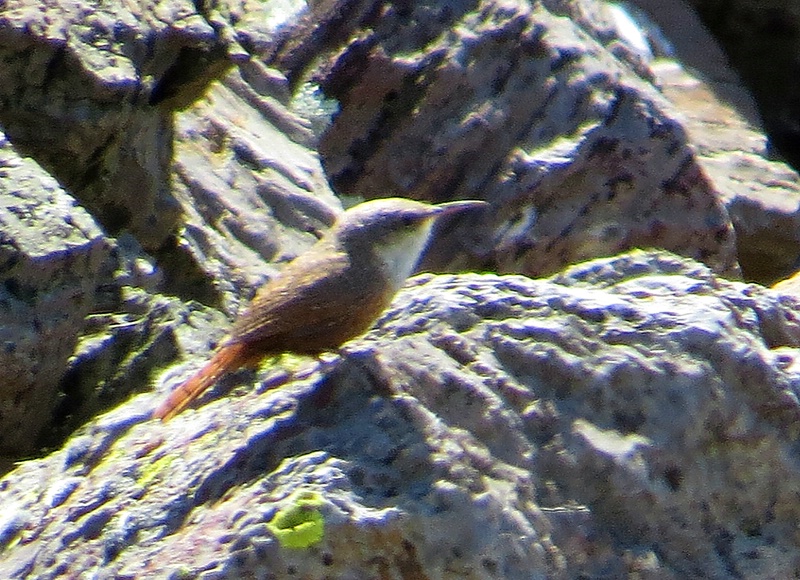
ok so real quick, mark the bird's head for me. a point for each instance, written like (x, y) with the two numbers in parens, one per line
(396, 230)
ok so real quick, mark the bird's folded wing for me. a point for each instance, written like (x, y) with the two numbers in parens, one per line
(305, 294)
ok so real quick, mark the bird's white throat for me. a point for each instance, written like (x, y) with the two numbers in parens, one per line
(401, 255)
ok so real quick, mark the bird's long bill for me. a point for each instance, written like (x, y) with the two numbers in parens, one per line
(454, 207)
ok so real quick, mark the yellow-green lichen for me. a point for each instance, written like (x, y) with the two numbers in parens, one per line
(300, 524)
(287, 361)
(151, 471)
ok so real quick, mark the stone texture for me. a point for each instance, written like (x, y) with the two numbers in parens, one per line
(53, 258)
(102, 81)
(86, 89)
(124, 348)
(633, 416)
(250, 186)
(760, 192)
(561, 122)
(762, 41)
(520, 105)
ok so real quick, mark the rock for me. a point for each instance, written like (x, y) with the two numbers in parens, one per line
(213, 198)
(103, 88)
(250, 186)
(625, 135)
(763, 44)
(53, 260)
(789, 285)
(87, 89)
(760, 192)
(126, 350)
(630, 416)
(634, 415)
(575, 147)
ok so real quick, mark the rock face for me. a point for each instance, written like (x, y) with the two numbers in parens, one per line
(763, 43)
(723, 120)
(53, 259)
(545, 127)
(88, 89)
(242, 139)
(630, 416)
(176, 127)
(118, 213)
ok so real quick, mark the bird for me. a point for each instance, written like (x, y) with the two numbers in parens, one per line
(328, 295)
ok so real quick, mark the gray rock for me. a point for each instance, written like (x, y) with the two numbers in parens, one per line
(87, 89)
(209, 200)
(103, 81)
(53, 259)
(579, 152)
(250, 185)
(553, 115)
(763, 44)
(760, 191)
(630, 416)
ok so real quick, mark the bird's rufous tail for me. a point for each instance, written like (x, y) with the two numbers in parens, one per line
(229, 358)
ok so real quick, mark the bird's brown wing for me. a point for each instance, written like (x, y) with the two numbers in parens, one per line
(302, 308)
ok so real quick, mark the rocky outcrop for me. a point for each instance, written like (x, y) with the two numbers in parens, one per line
(141, 220)
(629, 416)
(723, 120)
(53, 262)
(762, 43)
(579, 152)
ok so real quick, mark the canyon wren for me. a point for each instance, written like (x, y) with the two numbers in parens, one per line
(328, 295)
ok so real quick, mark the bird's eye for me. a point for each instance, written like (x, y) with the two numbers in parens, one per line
(408, 221)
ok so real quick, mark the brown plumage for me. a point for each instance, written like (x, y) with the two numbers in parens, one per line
(328, 295)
